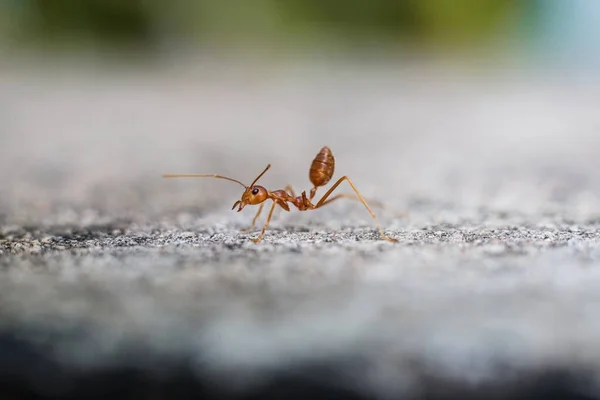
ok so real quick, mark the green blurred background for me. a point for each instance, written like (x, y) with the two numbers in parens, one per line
(151, 24)
(566, 28)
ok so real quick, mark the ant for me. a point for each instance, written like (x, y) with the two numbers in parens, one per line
(321, 171)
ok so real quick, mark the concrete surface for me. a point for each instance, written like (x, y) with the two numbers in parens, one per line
(118, 283)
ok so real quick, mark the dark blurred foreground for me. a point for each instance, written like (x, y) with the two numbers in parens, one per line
(27, 373)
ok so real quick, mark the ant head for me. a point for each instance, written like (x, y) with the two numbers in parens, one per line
(253, 195)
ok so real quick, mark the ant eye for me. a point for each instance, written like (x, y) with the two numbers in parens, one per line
(255, 191)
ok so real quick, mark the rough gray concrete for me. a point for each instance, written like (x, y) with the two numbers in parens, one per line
(105, 266)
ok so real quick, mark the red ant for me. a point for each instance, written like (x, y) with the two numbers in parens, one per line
(321, 171)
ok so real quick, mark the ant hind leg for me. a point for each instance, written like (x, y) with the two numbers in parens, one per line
(324, 201)
(352, 197)
(371, 202)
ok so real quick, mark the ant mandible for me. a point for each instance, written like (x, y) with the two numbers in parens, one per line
(321, 171)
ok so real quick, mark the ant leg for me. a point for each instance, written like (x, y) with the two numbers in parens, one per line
(371, 202)
(290, 191)
(262, 232)
(255, 219)
(352, 197)
(343, 178)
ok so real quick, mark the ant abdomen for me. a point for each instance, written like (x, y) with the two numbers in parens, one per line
(321, 169)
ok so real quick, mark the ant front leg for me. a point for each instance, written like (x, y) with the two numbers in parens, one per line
(323, 201)
(255, 219)
(262, 232)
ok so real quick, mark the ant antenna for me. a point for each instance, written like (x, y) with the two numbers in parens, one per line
(261, 174)
(215, 176)
(202, 176)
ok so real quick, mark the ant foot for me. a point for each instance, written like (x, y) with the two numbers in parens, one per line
(390, 239)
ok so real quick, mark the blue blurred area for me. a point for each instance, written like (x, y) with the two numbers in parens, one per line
(569, 31)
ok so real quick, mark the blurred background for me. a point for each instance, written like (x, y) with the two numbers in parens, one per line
(477, 101)
(149, 26)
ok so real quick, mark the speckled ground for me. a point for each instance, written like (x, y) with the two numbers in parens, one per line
(116, 282)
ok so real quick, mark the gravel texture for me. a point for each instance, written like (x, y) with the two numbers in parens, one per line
(116, 283)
